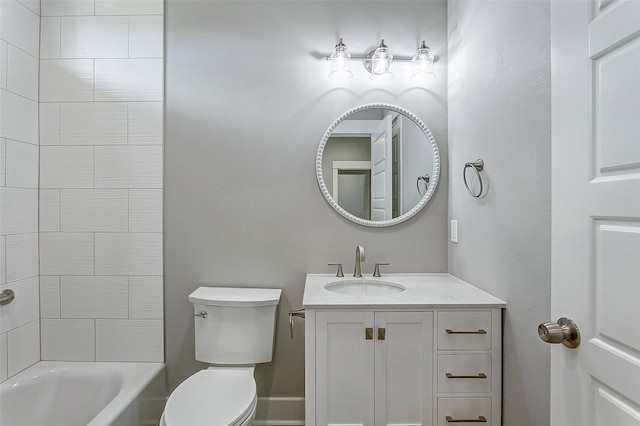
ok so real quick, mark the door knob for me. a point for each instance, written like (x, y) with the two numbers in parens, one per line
(564, 331)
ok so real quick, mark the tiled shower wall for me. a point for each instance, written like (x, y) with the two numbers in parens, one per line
(101, 82)
(19, 325)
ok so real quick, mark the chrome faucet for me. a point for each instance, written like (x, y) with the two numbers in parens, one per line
(359, 258)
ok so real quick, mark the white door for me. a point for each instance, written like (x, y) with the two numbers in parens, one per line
(344, 368)
(381, 172)
(595, 65)
(404, 368)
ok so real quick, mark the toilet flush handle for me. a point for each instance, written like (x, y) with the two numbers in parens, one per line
(201, 314)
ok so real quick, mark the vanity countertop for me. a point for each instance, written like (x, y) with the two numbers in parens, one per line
(424, 290)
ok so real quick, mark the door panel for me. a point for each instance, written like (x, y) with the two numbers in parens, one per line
(344, 362)
(595, 66)
(404, 372)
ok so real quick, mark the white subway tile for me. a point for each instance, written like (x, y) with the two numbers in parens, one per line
(21, 165)
(3, 357)
(145, 123)
(22, 73)
(19, 212)
(49, 297)
(66, 80)
(24, 308)
(4, 53)
(68, 339)
(34, 5)
(145, 36)
(94, 123)
(50, 38)
(22, 256)
(50, 124)
(128, 167)
(94, 37)
(23, 345)
(129, 254)
(3, 162)
(49, 210)
(145, 298)
(19, 26)
(66, 253)
(129, 340)
(145, 210)
(128, 80)
(94, 297)
(18, 118)
(94, 210)
(129, 7)
(66, 167)
(3, 259)
(66, 7)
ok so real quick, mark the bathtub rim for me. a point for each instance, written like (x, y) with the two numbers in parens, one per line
(136, 376)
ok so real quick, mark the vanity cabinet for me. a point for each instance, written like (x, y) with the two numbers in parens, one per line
(430, 355)
(373, 368)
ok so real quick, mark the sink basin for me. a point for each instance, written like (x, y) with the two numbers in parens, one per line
(364, 287)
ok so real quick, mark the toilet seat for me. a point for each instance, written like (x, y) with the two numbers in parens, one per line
(213, 398)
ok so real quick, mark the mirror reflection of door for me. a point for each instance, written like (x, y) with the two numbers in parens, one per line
(354, 192)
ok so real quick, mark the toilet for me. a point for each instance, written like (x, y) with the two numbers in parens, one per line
(234, 330)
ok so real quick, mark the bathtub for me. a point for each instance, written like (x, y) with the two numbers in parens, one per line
(52, 393)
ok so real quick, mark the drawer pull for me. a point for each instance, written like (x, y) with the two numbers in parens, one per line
(368, 333)
(479, 376)
(480, 419)
(481, 331)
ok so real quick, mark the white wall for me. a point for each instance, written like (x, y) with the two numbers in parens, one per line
(248, 100)
(499, 110)
(101, 92)
(19, 50)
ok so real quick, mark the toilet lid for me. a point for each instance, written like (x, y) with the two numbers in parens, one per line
(212, 398)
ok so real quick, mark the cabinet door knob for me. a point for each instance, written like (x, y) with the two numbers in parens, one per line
(381, 333)
(453, 376)
(368, 333)
(481, 331)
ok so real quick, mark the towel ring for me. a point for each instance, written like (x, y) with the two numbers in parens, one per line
(424, 179)
(477, 166)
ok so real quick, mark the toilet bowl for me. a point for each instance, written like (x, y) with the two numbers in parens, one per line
(234, 330)
(213, 397)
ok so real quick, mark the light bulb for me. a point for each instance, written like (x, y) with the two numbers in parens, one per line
(422, 64)
(381, 62)
(340, 63)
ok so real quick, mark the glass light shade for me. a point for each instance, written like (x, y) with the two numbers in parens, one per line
(381, 62)
(340, 63)
(422, 65)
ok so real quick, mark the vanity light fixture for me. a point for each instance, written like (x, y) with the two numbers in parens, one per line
(378, 62)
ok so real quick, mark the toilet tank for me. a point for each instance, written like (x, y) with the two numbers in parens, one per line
(239, 324)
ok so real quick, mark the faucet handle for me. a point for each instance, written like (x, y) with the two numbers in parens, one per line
(339, 273)
(376, 269)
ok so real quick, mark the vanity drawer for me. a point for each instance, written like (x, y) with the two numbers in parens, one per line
(464, 330)
(464, 373)
(452, 410)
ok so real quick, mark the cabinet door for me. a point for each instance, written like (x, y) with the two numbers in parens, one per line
(344, 369)
(404, 368)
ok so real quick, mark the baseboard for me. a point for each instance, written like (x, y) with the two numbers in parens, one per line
(280, 411)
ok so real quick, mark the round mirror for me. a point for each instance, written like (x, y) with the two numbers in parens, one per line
(378, 164)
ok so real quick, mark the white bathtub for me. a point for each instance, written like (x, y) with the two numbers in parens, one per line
(84, 394)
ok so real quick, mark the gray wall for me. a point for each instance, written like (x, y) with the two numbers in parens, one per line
(247, 102)
(499, 110)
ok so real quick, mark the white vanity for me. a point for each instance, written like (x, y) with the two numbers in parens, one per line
(402, 349)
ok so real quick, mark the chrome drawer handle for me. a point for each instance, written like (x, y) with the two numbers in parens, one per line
(201, 314)
(479, 376)
(481, 331)
(480, 419)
